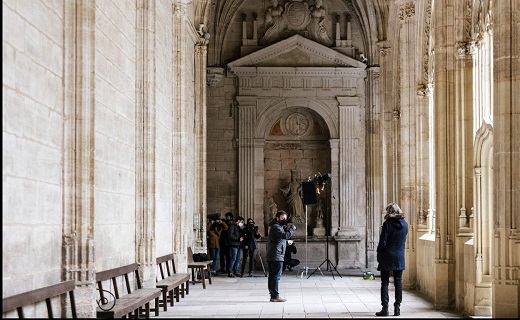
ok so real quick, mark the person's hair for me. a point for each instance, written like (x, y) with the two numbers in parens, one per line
(229, 214)
(280, 213)
(239, 218)
(392, 210)
(250, 220)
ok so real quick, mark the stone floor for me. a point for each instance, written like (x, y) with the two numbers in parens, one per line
(320, 296)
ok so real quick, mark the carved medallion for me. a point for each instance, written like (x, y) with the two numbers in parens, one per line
(297, 124)
(297, 15)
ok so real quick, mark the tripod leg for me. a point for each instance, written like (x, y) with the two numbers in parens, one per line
(331, 270)
(261, 262)
(318, 268)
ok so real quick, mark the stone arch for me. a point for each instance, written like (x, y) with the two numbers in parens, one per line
(277, 108)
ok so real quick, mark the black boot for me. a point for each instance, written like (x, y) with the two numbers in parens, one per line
(383, 312)
(397, 309)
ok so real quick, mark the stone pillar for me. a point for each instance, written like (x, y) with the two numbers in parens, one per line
(506, 159)
(182, 224)
(246, 156)
(259, 180)
(374, 165)
(201, 50)
(78, 161)
(407, 135)
(145, 141)
(350, 184)
(446, 214)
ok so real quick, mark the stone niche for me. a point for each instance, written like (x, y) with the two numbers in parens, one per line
(301, 107)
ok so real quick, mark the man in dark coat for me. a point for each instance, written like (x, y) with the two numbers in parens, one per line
(278, 235)
(390, 256)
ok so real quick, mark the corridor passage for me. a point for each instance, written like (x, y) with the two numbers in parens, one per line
(320, 296)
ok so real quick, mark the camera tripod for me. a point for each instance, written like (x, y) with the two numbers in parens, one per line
(257, 254)
(261, 261)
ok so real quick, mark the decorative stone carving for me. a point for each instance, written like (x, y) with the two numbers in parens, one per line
(464, 49)
(406, 11)
(424, 90)
(295, 18)
(293, 197)
(214, 75)
(297, 124)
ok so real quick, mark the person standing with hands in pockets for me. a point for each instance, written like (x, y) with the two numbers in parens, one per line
(390, 256)
(279, 233)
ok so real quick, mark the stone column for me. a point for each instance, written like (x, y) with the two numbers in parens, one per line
(78, 160)
(201, 50)
(374, 165)
(145, 141)
(349, 185)
(246, 156)
(446, 214)
(506, 159)
(182, 224)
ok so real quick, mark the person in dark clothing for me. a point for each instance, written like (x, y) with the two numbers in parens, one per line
(224, 252)
(288, 261)
(214, 230)
(278, 235)
(234, 242)
(250, 234)
(390, 256)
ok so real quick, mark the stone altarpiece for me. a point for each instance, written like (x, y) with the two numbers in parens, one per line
(298, 78)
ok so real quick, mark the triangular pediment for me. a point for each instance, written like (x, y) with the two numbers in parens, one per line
(296, 51)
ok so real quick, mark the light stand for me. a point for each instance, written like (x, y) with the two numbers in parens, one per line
(308, 197)
(305, 269)
(330, 267)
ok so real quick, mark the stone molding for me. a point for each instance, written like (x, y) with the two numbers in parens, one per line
(214, 75)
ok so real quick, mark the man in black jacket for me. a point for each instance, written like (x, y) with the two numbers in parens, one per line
(234, 236)
(279, 233)
(250, 234)
(224, 251)
(390, 255)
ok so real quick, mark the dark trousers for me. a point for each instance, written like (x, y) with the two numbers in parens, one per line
(251, 254)
(275, 274)
(224, 257)
(398, 285)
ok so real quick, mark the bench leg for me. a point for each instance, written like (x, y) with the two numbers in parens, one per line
(183, 290)
(157, 309)
(177, 294)
(203, 276)
(187, 287)
(165, 300)
(193, 275)
(209, 274)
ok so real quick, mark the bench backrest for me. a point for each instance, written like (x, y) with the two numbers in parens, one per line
(113, 274)
(190, 255)
(166, 265)
(43, 294)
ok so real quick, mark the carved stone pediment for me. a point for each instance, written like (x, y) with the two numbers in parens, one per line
(296, 51)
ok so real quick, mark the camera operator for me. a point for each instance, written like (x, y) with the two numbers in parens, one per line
(279, 233)
(215, 229)
(250, 234)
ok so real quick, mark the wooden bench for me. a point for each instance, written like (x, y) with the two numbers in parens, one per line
(200, 267)
(133, 304)
(39, 295)
(172, 284)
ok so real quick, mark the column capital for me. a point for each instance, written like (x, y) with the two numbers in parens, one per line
(348, 101)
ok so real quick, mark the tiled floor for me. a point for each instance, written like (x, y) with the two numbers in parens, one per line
(320, 296)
